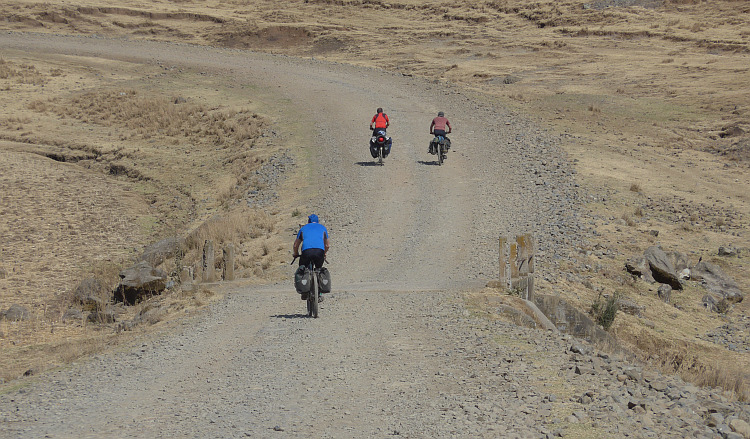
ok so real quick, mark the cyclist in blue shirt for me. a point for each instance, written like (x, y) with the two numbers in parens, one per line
(313, 237)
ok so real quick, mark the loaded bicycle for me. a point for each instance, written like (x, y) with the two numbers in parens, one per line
(310, 282)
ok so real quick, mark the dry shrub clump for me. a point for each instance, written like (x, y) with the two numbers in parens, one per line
(236, 226)
(21, 73)
(694, 363)
(150, 116)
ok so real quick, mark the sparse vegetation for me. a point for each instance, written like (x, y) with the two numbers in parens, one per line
(146, 117)
(628, 219)
(604, 309)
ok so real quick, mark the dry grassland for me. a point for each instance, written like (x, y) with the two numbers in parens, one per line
(653, 96)
(96, 169)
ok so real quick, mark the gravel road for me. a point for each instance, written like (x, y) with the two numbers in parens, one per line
(394, 352)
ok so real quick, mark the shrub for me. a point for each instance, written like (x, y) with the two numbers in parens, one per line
(604, 309)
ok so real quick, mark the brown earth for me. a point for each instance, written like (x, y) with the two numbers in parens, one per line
(653, 97)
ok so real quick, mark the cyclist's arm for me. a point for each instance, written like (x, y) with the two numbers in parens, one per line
(295, 249)
(326, 244)
(449, 127)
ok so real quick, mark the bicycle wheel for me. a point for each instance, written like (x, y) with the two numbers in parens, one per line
(380, 155)
(309, 304)
(440, 153)
(313, 297)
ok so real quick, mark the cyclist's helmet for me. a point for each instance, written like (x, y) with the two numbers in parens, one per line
(441, 114)
(380, 110)
(312, 218)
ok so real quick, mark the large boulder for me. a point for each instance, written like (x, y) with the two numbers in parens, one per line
(679, 260)
(140, 280)
(160, 251)
(716, 282)
(662, 268)
(638, 266)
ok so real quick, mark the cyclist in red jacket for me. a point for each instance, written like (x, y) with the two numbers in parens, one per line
(379, 122)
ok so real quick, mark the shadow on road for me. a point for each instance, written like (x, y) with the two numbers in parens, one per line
(367, 163)
(291, 316)
(422, 162)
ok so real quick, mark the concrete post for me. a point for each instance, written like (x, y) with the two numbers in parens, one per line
(228, 273)
(514, 272)
(208, 261)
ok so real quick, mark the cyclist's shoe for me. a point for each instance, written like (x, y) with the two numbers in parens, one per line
(320, 298)
(303, 296)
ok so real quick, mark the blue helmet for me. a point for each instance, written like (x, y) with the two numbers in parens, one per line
(312, 218)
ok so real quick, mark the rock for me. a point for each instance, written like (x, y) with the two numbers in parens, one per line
(715, 281)
(89, 294)
(727, 251)
(158, 252)
(664, 291)
(684, 274)
(3, 273)
(72, 314)
(633, 374)
(15, 313)
(709, 302)
(679, 260)
(578, 348)
(715, 419)
(101, 317)
(638, 266)
(731, 131)
(138, 281)
(661, 267)
(510, 79)
(740, 427)
(629, 307)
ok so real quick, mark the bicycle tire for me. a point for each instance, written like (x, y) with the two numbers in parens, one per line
(309, 304)
(440, 153)
(314, 292)
(380, 155)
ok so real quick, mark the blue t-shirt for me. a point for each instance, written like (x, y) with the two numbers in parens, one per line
(312, 236)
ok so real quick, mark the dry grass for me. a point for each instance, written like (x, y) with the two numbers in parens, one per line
(239, 225)
(144, 117)
(97, 174)
(695, 362)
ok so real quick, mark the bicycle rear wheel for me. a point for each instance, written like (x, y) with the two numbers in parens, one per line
(313, 297)
(440, 153)
(380, 155)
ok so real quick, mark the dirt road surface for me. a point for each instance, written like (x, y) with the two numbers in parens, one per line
(394, 352)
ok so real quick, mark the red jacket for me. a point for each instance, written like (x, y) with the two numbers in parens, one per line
(439, 123)
(380, 120)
